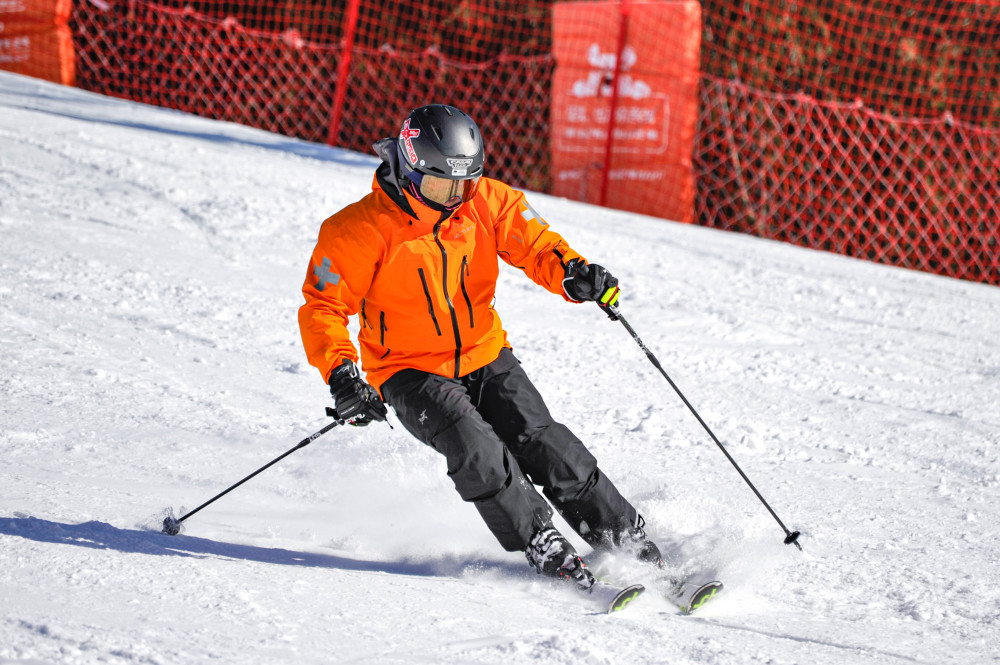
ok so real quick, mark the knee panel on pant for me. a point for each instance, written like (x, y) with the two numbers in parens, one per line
(558, 461)
(477, 461)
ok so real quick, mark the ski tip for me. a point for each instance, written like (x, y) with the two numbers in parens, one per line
(625, 597)
(702, 595)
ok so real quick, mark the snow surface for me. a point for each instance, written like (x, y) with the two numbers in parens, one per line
(149, 280)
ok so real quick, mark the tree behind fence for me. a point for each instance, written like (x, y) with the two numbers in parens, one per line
(801, 137)
(817, 169)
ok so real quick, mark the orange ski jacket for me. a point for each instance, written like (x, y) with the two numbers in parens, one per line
(423, 286)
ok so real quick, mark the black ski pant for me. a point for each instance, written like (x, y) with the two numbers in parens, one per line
(499, 440)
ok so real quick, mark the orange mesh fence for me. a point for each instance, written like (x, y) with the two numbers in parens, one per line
(781, 148)
(921, 194)
(211, 66)
(908, 58)
(909, 175)
(276, 65)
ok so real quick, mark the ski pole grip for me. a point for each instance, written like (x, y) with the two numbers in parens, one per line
(610, 310)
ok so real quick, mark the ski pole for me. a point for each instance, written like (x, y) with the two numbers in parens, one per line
(791, 537)
(172, 525)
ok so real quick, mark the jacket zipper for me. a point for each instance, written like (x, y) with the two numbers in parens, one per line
(461, 277)
(364, 317)
(382, 329)
(447, 299)
(430, 303)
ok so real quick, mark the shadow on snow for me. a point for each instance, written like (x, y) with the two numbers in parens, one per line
(103, 536)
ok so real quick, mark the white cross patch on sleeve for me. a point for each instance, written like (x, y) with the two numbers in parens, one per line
(323, 275)
(529, 214)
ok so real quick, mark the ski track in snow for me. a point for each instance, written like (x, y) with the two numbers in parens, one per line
(149, 281)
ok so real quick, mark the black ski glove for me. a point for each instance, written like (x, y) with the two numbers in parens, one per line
(584, 283)
(355, 401)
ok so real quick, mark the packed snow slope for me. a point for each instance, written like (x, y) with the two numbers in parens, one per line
(149, 280)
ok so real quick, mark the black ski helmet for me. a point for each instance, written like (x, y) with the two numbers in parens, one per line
(442, 141)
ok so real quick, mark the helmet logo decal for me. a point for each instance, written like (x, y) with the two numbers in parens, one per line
(407, 135)
(459, 166)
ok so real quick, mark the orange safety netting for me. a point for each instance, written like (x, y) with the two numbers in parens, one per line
(893, 156)
(908, 58)
(276, 65)
(867, 127)
(921, 194)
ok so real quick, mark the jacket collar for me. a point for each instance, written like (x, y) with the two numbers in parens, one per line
(387, 179)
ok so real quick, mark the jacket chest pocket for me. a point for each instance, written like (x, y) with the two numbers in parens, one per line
(367, 324)
(430, 301)
(466, 272)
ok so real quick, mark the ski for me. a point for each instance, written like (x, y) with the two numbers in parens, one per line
(692, 596)
(685, 593)
(613, 598)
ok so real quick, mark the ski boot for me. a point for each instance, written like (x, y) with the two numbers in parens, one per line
(550, 553)
(635, 541)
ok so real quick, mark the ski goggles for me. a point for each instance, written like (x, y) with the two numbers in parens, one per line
(444, 191)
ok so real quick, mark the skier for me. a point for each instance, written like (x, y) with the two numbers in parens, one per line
(416, 259)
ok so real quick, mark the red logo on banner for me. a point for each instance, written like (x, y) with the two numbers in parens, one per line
(406, 135)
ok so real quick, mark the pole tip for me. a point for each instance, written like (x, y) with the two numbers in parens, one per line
(793, 538)
(171, 525)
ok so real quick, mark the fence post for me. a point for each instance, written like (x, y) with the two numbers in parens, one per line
(343, 71)
(622, 34)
